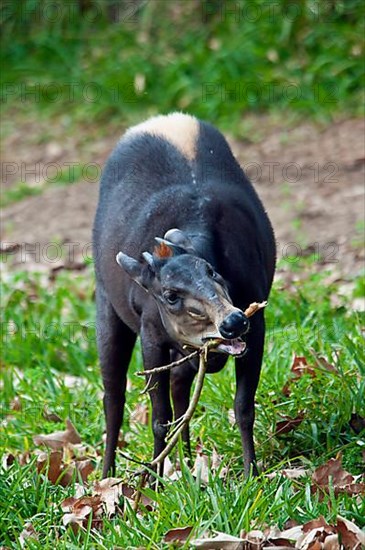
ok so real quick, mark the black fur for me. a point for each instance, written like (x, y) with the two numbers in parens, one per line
(147, 188)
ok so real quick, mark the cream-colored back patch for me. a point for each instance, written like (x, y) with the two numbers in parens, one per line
(178, 128)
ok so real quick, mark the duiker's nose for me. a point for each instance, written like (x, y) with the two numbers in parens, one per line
(234, 325)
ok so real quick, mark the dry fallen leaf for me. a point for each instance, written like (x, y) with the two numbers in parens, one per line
(51, 416)
(78, 510)
(286, 389)
(60, 439)
(316, 534)
(270, 538)
(290, 523)
(201, 466)
(61, 473)
(84, 468)
(77, 519)
(351, 536)
(105, 501)
(54, 463)
(269, 546)
(16, 404)
(7, 460)
(315, 524)
(80, 490)
(178, 535)
(253, 539)
(331, 543)
(146, 502)
(300, 367)
(342, 481)
(171, 471)
(288, 424)
(216, 460)
(332, 468)
(222, 542)
(73, 503)
(24, 458)
(293, 533)
(28, 533)
(290, 473)
(110, 490)
(312, 535)
(323, 363)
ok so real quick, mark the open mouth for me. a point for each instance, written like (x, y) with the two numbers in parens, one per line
(235, 347)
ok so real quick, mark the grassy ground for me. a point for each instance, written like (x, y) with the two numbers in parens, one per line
(49, 335)
(216, 59)
(70, 70)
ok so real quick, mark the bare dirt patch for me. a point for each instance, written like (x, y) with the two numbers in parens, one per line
(311, 181)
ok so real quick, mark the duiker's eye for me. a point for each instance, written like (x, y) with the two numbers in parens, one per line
(214, 275)
(171, 297)
(195, 314)
(210, 271)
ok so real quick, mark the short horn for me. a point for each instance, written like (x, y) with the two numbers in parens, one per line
(178, 237)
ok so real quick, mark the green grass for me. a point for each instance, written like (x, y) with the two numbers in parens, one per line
(18, 192)
(214, 59)
(216, 64)
(47, 329)
(60, 177)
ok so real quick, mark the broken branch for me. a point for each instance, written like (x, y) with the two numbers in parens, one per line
(170, 365)
(252, 308)
(185, 419)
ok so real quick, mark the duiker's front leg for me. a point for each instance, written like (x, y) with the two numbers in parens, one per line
(115, 344)
(156, 354)
(181, 382)
(247, 378)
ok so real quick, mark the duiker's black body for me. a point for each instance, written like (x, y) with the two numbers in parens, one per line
(181, 177)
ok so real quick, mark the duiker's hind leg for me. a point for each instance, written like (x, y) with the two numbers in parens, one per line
(115, 345)
(247, 378)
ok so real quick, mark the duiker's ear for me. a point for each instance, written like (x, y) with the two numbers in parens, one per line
(165, 249)
(141, 273)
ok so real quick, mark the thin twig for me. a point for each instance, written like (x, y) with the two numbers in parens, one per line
(147, 387)
(170, 365)
(255, 306)
(173, 422)
(127, 457)
(192, 405)
(180, 423)
(138, 494)
(176, 427)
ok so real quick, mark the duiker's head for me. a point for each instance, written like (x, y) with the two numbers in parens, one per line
(192, 297)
